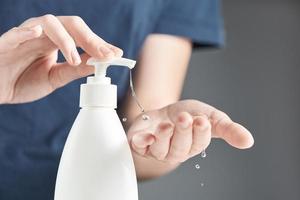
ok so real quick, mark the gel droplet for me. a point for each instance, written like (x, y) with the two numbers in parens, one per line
(124, 119)
(197, 166)
(133, 94)
(203, 154)
(145, 117)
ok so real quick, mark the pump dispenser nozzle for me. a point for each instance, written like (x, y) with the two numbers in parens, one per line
(101, 66)
(98, 91)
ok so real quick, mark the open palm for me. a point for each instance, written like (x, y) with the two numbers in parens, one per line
(184, 129)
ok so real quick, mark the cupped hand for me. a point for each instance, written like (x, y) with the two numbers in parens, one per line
(184, 129)
(28, 56)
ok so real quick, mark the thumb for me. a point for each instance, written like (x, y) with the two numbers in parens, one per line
(63, 73)
(233, 133)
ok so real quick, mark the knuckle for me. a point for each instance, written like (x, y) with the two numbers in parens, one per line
(2, 37)
(45, 46)
(75, 20)
(48, 18)
(88, 41)
(30, 20)
(12, 30)
(15, 29)
(67, 44)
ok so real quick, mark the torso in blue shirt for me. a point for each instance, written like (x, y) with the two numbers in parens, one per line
(32, 135)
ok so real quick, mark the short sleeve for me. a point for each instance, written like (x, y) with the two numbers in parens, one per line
(198, 20)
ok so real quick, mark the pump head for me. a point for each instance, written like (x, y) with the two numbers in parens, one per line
(98, 91)
(101, 66)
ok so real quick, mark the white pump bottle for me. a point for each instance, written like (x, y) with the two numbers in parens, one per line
(97, 162)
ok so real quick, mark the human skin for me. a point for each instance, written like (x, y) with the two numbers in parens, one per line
(28, 56)
(178, 130)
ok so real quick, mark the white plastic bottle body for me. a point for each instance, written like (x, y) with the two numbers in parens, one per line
(96, 162)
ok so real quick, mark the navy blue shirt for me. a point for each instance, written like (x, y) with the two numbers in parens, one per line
(32, 135)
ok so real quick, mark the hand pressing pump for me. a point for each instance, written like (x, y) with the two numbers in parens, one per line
(96, 162)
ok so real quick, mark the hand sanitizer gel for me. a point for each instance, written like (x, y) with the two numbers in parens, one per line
(96, 163)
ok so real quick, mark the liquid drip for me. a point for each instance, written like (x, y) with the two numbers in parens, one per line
(145, 117)
(203, 154)
(197, 166)
(133, 94)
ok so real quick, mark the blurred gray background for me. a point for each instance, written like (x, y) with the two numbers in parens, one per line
(255, 79)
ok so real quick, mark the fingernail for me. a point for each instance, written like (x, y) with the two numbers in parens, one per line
(119, 52)
(202, 126)
(106, 51)
(116, 50)
(198, 122)
(183, 122)
(201, 122)
(76, 57)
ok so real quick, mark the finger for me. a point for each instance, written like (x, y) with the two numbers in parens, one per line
(222, 126)
(16, 36)
(87, 39)
(39, 47)
(233, 133)
(160, 148)
(57, 33)
(63, 73)
(118, 52)
(182, 138)
(201, 135)
(140, 143)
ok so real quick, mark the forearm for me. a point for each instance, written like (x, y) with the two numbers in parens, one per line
(158, 79)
